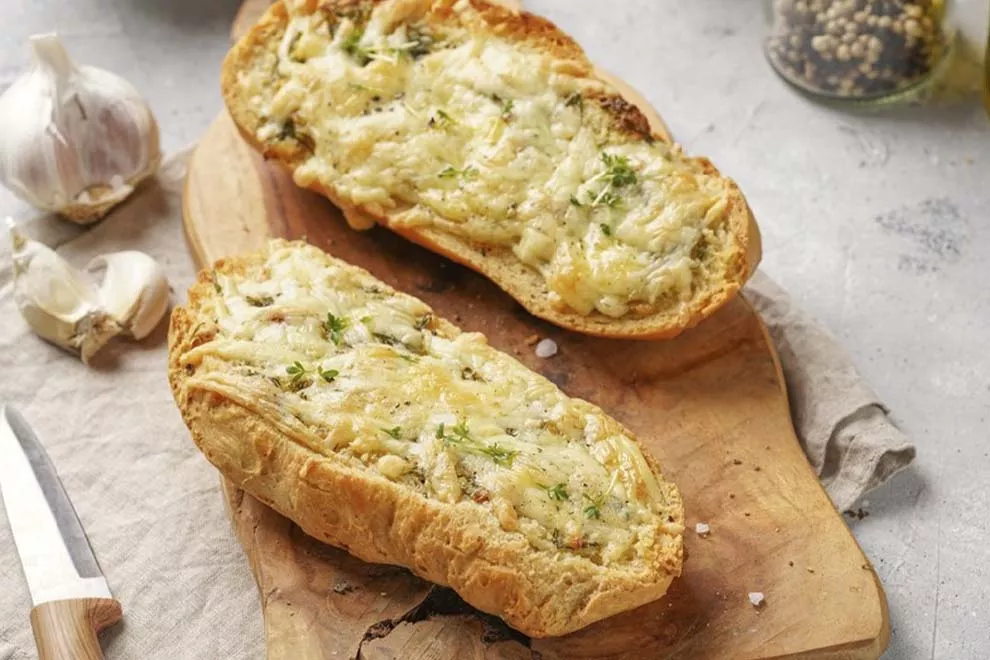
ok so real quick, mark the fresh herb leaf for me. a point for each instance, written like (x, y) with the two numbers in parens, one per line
(576, 202)
(461, 430)
(329, 374)
(386, 339)
(451, 172)
(618, 172)
(394, 432)
(594, 509)
(296, 370)
(607, 198)
(558, 492)
(507, 109)
(442, 119)
(573, 100)
(259, 301)
(352, 46)
(408, 358)
(606, 229)
(216, 285)
(459, 433)
(423, 321)
(334, 327)
(501, 455)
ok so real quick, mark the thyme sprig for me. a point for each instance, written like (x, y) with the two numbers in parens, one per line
(296, 370)
(334, 327)
(618, 174)
(593, 511)
(451, 172)
(460, 436)
(557, 492)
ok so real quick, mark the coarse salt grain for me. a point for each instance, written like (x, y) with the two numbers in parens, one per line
(757, 599)
(702, 529)
(546, 348)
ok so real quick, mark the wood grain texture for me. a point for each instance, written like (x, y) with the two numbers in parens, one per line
(68, 629)
(710, 405)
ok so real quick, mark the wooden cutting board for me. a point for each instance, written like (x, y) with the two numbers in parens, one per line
(710, 405)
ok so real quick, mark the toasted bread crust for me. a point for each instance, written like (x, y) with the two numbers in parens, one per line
(538, 592)
(500, 264)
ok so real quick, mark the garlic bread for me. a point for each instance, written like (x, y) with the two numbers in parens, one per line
(381, 428)
(483, 134)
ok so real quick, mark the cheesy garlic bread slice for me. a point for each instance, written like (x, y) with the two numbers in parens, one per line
(381, 428)
(484, 135)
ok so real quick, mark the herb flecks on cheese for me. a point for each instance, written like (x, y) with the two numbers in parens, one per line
(444, 414)
(451, 127)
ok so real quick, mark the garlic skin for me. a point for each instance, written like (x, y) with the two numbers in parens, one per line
(58, 304)
(76, 140)
(134, 290)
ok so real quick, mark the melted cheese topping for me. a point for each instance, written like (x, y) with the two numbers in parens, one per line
(453, 128)
(357, 371)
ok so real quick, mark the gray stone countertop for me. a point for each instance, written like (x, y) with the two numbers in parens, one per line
(877, 223)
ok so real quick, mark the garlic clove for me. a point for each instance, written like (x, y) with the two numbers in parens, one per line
(134, 290)
(56, 301)
(77, 140)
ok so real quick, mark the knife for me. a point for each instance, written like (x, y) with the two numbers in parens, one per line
(71, 598)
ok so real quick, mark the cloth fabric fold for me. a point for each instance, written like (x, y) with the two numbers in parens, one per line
(843, 427)
(151, 505)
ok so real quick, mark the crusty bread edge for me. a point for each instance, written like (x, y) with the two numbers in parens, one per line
(500, 265)
(376, 520)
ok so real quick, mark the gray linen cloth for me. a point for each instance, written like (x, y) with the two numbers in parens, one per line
(151, 504)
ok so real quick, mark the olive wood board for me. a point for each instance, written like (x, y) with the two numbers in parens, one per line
(710, 405)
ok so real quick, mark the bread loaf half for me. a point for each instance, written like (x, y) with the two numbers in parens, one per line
(484, 135)
(382, 429)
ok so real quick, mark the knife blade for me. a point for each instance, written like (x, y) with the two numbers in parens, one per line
(71, 598)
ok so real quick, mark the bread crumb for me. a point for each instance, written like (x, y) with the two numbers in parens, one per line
(702, 529)
(757, 599)
(546, 348)
(532, 339)
(810, 569)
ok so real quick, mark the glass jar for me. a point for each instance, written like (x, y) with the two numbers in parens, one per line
(860, 51)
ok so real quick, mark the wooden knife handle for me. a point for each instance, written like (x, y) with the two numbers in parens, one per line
(67, 629)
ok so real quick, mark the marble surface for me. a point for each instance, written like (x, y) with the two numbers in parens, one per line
(875, 221)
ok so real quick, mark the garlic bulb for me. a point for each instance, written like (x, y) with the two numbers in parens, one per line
(134, 290)
(62, 307)
(76, 139)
